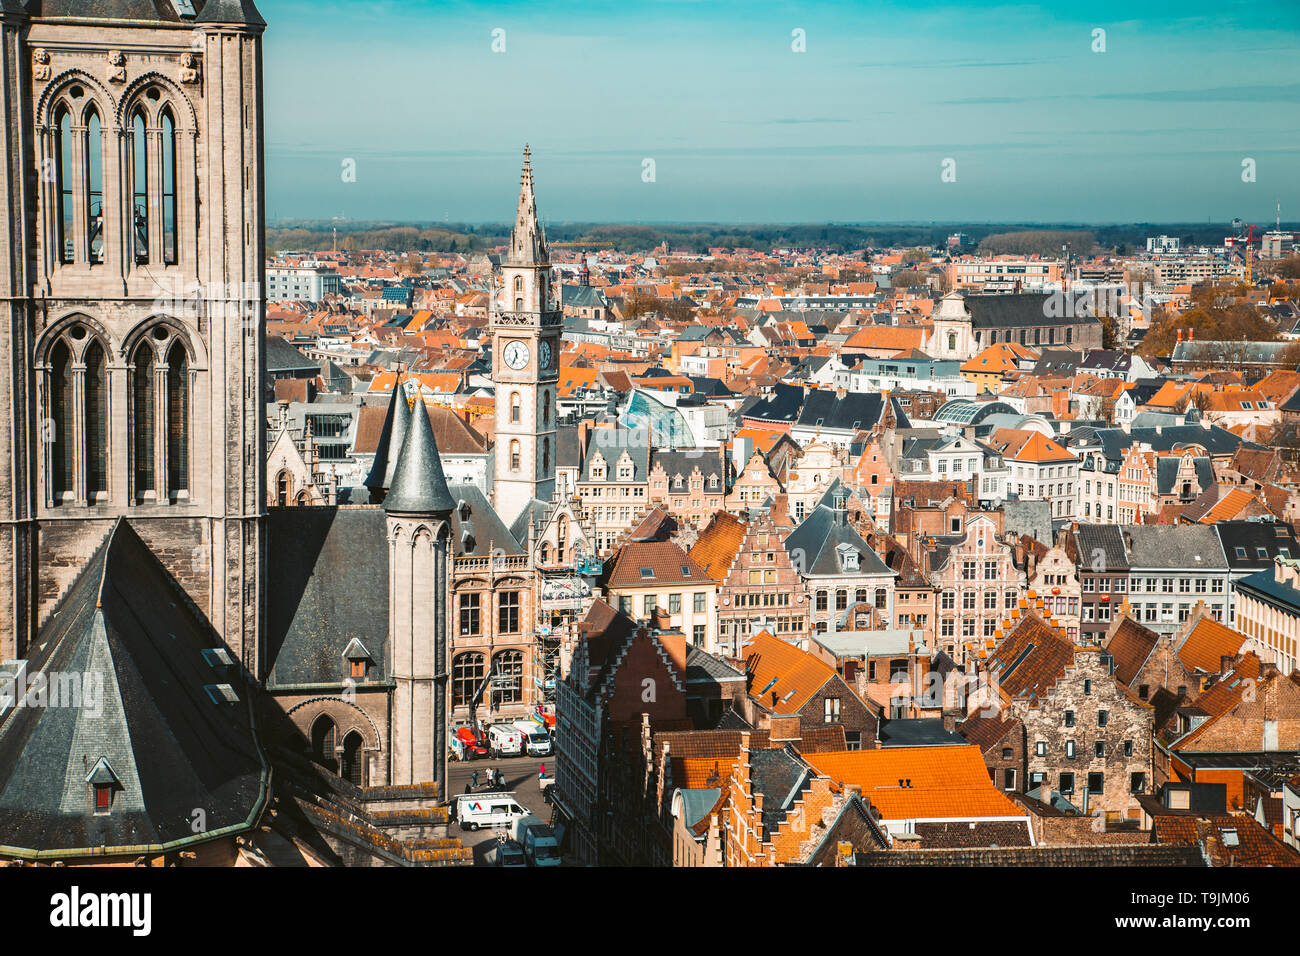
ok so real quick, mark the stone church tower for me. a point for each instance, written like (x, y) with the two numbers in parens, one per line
(526, 325)
(952, 337)
(418, 508)
(131, 301)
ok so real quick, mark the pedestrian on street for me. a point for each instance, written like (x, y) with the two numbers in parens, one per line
(474, 777)
(541, 771)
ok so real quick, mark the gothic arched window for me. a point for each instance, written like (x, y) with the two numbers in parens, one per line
(351, 770)
(283, 488)
(96, 420)
(143, 413)
(515, 406)
(64, 179)
(169, 224)
(61, 419)
(323, 743)
(519, 304)
(546, 407)
(178, 419)
(76, 417)
(467, 673)
(95, 186)
(952, 341)
(514, 454)
(519, 284)
(546, 456)
(509, 664)
(140, 187)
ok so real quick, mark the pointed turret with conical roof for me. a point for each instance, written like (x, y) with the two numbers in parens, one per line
(419, 486)
(527, 239)
(396, 424)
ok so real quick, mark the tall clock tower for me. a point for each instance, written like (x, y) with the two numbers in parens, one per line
(526, 327)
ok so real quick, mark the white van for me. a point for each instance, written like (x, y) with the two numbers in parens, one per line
(475, 811)
(537, 740)
(505, 740)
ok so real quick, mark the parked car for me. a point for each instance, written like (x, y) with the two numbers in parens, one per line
(505, 740)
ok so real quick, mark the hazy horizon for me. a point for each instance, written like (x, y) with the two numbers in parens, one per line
(1040, 126)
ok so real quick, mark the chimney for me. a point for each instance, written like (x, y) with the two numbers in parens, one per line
(783, 729)
(1180, 337)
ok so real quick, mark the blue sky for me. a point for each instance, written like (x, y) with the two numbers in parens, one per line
(741, 128)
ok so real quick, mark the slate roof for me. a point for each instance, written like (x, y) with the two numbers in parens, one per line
(1174, 547)
(1251, 537)
(397, 421)
(781, 778)
(282, 357)
(853, 412)
(477, 529)
(814, 545)
(1264, 585)
(1167, 473)
(703, 667)
(783, 405)
(127, 633)
(1023, 310)
(208, 11)
(684, 461)
(918, 732)
(1103, 542)
(419, 486)
(612, 443)
(1215, 440)
(327, 585)
(1032, 518)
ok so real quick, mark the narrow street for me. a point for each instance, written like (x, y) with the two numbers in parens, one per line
(521, 780)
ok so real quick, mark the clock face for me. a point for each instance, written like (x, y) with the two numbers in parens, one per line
(516, 355)
(545, 353)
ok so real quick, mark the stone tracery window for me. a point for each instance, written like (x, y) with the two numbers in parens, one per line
(75, 427)
(160, 390)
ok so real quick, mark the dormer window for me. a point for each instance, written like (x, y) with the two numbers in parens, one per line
(357, 661)
(103, 785)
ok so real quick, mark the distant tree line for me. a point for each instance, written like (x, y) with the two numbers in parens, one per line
(994, 238)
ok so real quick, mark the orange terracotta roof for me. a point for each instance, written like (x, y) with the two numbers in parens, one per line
(716, 547)
(667, 562)
(947, 781)
(571, 379)
(1228, 507)
(782, 677)
(886, 337)
(1023, 445)
(1207, 644)
(763, 438)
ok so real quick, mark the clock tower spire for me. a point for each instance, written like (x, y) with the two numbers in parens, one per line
(526, 325)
